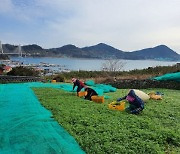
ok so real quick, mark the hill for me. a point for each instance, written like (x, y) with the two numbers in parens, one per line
(101, 50)
(158, 52)
(69, 51)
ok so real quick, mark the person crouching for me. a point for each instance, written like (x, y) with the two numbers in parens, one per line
(136, 104)
(90, 92)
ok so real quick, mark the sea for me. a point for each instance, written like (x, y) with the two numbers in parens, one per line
(77, 64)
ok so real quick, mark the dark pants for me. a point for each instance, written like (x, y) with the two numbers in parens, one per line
(79, 89)
(133, 109)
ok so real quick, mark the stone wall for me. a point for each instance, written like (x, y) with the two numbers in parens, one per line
(12, 79)
(143, 84)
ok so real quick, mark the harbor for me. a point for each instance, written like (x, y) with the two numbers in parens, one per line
(45, 68)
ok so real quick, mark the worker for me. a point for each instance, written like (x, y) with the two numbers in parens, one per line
(90, 92)
(77, 83)
(136, 104)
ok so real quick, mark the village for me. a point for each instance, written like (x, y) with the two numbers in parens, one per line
(45, 68)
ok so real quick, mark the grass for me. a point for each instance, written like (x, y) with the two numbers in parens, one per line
(100, 130)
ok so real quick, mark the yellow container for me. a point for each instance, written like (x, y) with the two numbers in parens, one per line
(98, 99)
(119, 107)
(53, 81)
(82, 93)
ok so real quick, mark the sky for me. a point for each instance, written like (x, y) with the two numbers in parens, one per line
(127, 25)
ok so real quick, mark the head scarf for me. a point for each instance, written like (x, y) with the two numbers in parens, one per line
(74, 80)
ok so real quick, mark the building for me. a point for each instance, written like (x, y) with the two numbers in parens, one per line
(7, 69)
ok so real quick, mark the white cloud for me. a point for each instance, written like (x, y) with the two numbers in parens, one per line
(124, 24)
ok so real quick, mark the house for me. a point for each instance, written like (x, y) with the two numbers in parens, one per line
(7, 69)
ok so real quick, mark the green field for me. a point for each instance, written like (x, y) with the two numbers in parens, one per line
(98, 129)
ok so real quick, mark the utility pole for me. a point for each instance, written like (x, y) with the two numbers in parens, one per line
(1, 48)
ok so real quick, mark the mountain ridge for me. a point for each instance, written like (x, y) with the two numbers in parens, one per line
(100, 50)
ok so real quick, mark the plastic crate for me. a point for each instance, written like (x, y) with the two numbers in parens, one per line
(53, 81)
(82, 93)
(120, 107)
(98, 99)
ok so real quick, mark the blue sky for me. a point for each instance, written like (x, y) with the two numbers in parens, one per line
(127, 25)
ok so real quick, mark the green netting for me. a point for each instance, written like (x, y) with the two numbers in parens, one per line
(105, 88)
(101, 88)
(27, 127)
(106, 97)
(169, 76)
(99, 91)
(64, 86)
(90, 82)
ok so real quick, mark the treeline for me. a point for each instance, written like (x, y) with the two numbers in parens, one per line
(158, 70)
(64, 76)
(152, 71)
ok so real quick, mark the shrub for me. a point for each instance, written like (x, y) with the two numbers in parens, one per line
(23, 71)
(59, 78)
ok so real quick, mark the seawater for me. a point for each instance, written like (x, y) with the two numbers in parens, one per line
(92, 64)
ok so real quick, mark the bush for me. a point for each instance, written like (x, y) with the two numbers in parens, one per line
(59, 78)
(23, 71)
(153, 71)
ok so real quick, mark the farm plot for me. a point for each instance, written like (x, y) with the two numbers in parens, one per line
(98, 129)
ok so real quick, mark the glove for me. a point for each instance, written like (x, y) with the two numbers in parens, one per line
(119, 99)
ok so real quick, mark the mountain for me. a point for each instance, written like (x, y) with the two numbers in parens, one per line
(34, 50)
(158, 52)
(101, 51)
(30, 50)
(7, 48)
(69, 51)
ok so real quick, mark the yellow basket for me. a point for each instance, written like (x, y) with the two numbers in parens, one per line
(98, 99)
(120, 107)
(53, 81)
(82, 93)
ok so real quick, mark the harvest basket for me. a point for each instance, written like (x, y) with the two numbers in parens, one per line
(82, 93)
(120, 107)
(98, 99)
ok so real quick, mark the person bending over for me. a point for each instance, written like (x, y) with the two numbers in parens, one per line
(77, 83)
(90, 92)
(136, 104)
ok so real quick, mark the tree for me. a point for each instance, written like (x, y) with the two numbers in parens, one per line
(112, 65)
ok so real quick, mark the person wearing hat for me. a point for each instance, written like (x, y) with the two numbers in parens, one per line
(136, 104)
(77, 83)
